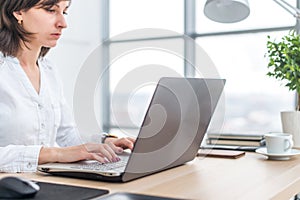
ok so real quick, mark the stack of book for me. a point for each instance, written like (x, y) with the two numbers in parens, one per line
(235, 139)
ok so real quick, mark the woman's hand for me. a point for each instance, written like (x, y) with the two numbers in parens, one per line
(101, 152)
(124, 143)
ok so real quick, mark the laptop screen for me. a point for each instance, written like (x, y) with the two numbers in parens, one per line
(174, 125)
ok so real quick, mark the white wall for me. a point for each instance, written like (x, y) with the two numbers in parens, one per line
(81, 37)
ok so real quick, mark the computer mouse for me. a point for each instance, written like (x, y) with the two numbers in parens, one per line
(12, 187)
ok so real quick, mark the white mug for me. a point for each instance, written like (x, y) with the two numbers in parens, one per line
(279, 143)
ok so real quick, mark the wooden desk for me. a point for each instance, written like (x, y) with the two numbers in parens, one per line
(248, 177)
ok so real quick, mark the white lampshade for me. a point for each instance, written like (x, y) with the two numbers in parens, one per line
(226, 11)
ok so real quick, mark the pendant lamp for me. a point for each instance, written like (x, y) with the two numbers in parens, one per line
(226, 11)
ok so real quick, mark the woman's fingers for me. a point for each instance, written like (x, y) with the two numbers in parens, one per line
(111, 153)
(99, 157)
(131, 139)
(103, 150)
(115, 148)
(125, 143)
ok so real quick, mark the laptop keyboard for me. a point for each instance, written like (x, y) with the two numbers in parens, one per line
(97, 166)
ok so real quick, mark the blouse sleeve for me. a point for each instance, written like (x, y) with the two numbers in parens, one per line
(18, 158)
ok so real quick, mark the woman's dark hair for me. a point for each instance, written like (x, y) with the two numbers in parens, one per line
(12, 34)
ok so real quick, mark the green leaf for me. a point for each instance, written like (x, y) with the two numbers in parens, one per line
(284, 60)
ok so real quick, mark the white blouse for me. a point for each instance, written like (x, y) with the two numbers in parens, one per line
(29, 120)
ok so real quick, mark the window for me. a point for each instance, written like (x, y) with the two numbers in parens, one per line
(253, 100)
(138, 14)
(263, 15)
(133, 77)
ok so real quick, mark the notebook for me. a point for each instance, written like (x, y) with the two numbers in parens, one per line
(171, 133)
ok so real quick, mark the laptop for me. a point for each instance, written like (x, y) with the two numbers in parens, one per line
(173, 128)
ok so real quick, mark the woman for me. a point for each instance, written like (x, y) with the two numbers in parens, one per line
(36, 126)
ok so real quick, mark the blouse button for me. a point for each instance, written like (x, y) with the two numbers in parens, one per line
(42, 125)
(40, 106)
(29, 165)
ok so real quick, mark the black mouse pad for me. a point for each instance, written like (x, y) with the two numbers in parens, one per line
(66, 192)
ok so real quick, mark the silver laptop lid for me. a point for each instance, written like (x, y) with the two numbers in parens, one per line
(173, 128)
(174, 125)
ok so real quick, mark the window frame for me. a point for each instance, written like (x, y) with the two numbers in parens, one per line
(189, 49)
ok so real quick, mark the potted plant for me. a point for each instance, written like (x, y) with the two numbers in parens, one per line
(284, 65)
